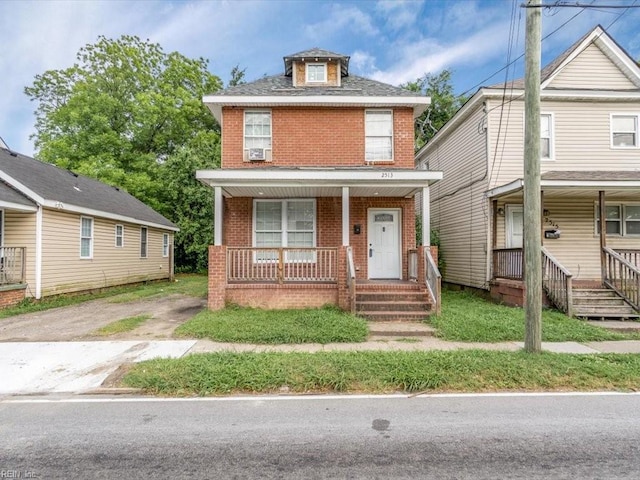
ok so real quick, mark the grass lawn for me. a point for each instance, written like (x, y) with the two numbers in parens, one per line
(193, 285)
(467, 317)
(123, 325)
(383, 372)
(252, 325)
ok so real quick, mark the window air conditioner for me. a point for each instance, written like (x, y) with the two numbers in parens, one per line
(256, 154)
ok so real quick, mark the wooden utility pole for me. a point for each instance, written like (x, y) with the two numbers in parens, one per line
(532, 234)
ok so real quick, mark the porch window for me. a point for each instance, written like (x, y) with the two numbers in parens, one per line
(624, 131)
(119, 236)
(316, 72)
(632, 219)
(622, 219)
(379, 135)
(613, 219)
(143, 242)
(546, 136)
(257, 134)
(86, 237)
(284, 223)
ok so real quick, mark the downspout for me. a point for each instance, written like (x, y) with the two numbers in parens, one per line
(38, 265)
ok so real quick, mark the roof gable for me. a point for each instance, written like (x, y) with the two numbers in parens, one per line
(316, 55)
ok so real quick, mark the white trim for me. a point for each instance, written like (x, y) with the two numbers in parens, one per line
(165, 246)
(283, 219)
(510, 208)
(518, 184)
(18, 206)
(91, 238)
(21, 188)
(552, 137)
(217, 216)
(38, 266)
(636, 132)
(245, 149)
(90, 212)
(511, 187)
(215, 103)
(146, 242)
(426, 217)
(121, 236)
(345, 216)
(316, 64)
(2, 215)
(371, 214)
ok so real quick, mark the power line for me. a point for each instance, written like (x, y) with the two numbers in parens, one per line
(573, 5)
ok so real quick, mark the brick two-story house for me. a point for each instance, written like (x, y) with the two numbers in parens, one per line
(590, 168)
(315, 197)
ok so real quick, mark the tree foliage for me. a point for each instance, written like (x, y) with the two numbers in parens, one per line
(122, 113)
(444, 104)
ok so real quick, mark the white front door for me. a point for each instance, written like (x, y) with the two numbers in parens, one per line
(515, 226)
(384, 243)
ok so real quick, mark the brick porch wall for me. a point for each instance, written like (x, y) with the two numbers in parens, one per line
(11, 295)
(274, 296)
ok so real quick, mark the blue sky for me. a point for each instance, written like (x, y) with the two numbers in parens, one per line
(389, 40)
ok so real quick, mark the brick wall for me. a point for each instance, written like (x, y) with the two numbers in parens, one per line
(272, 296)
(217, 277)
(315, 136)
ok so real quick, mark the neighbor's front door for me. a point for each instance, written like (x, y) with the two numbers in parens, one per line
(515, 226)
(384, 243)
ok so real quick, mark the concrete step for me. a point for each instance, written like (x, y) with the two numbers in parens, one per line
(400, 329)
(613, 301)
(404, 306)
(593, 292)
(393, 316)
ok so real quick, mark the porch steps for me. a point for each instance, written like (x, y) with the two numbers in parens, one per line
(601, 303)
(392, 302)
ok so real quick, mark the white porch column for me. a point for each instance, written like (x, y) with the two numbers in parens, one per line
(345, 216)
(217, 216)
(426, 218)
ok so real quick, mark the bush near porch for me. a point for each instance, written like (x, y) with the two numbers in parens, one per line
(467, 317)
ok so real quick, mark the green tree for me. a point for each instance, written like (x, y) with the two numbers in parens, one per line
(444, 104)
(237, 76)
(121, 113)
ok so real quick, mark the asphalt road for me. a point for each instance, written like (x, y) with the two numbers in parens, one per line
(596, 436)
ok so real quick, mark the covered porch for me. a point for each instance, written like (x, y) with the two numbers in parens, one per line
(295, 237)
(581, 255)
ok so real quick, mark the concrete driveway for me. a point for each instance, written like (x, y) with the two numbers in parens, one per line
(57, 350)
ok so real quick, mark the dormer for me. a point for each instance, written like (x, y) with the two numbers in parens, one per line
(316, 68)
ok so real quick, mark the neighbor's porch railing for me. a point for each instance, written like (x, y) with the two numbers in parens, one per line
(433, 280)
(282, 264)
(507, 263)
(622, 276)
(13, 265)
(556, 281)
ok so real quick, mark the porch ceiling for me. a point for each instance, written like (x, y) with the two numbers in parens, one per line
(318, 182)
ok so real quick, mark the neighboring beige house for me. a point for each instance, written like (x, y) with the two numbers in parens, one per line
(590, 115)
(61, 232)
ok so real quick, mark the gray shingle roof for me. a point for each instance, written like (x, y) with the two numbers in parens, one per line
(281, 85)
(9, 195)
(318, 53)
(58, 185)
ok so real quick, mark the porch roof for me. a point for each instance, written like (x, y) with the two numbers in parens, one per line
(576, 183)
(13, 200)
(312, 182)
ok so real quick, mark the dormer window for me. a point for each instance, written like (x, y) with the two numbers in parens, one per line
(316, 72)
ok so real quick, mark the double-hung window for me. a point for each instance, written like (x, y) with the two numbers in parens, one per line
(165, 244)
(86, 237)
(546, 136)
(624, 131)
(378, 135)
(143, 242)
(622, 219)
(257, 135)
(119, 236)
(284, 223)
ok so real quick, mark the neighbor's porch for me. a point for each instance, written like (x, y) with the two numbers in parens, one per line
(579, 254)
(342, 210)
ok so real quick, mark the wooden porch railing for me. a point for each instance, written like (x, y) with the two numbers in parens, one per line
(631, 255)
(13, 265)
(351, 280)
(413, 265)
(622, 276)
(433, 280)
(556, 281)
(507, 263)
(282, 264)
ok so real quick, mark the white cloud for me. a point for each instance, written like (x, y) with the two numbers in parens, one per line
(339, 19)
(399, 13)
(362, 63)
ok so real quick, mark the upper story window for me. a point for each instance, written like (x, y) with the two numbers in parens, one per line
(257, 135)
(379, 135)
(624, 131)
(316, 72)
(86, 237)
(546, 136)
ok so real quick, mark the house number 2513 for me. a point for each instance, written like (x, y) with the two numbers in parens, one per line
(387, 175)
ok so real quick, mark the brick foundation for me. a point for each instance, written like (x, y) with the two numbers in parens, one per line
(274, 296)
(12, 295)
(512, 293)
